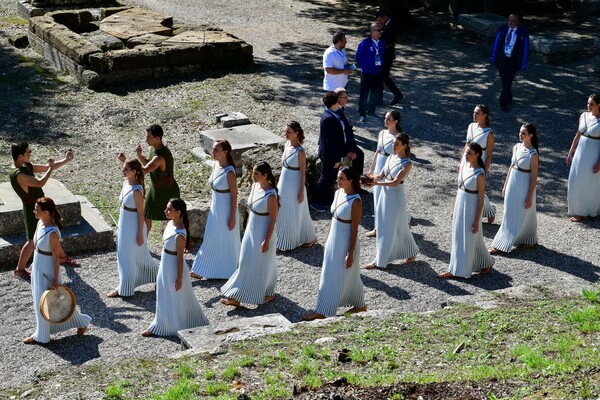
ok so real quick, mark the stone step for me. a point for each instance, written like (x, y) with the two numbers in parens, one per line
(486, 24)
(92, 234)
(11, 207)
(208, 338)
(241, 138)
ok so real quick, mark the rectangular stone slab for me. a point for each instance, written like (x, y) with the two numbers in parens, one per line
(241, 138)
(206, 338)
(11, 212)
(486, 24)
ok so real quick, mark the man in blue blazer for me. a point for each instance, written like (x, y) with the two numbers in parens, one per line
(331, 152)
(510, 55)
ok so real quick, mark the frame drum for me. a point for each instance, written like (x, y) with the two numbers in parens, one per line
(58, 305)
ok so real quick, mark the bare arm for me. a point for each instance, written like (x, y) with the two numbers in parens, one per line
(273, 210)
(140, 156)
(480, 193)
(31, 181)
(302, 164)
(180, 245)
(138, 197)
(156, 163)
(573, 147)
(489, 150)
(533, 181)
(55, 249)
(356, 216)
(233, 191)
(399, 177)
(68, 158)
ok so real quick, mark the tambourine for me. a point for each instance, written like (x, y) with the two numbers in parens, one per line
(58, 305)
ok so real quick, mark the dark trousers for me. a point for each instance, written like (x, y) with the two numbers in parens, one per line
(323, 190)
(358, 164)
(371, 91)
(387, 66)
(507, 69)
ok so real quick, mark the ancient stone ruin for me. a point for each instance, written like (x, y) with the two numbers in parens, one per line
(110, 45)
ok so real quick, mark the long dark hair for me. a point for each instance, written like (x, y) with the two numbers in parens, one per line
(136, 166)
(352, 176)
(295, 126)
(477, 149)
(404, 138)
(179, 205)
(486, 111)
(595, 97)
(532, 130)
(395, 114)
(264, 168)
(226, 147)
(47, 204)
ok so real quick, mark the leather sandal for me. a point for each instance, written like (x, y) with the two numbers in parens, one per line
(486, 271)
(370, 266)
(112, 294)
(576, 218)
(29, 340)
(445, 275)
(230, 302)
(269, 299)
(410, 259)
(490, 220)
(147, 334)
(493, 251)
(312, 316)
(68, 261)
(309, 244)
(196, 276)
(355, 310)
(81, 331)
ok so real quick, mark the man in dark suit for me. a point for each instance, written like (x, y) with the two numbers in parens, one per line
(352, 149)
(389, 37)
(510, 55)
(331, 152)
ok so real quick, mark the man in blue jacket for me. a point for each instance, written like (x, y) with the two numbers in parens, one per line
(331, 152)
(510, 55)
(369, 56)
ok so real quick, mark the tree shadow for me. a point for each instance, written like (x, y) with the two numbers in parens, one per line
(381, 286)
(495, 281)
(312, 256)
(431, 249)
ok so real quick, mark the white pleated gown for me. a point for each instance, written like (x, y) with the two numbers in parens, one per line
(41, 277)
(480, 136)
(340, 286)
(175, 310)
(394, 239)
(469, 253)
(385, 141)
(294, 225)
(583, 193)
(135, 264)
(519, 225)
(220, 251)
(256, 275)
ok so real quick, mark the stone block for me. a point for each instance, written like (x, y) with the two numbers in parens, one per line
(198, 213)
(233, 119)
(560, 49)
(485, 24)
(108, 11)
(241, 138)
(91, 234)
(148, 38)
(11, 209)
(19, 40)
(136, 58)
(103, 40)
(71, 44)
(183, 55)
(207, 338)
(72, 19)
(41, 25)
(135, 22)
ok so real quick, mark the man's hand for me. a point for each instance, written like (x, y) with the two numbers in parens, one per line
(351, 155)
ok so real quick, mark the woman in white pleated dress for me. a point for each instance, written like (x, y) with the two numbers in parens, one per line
(294, 227)
(45, 272)
(385, 141)
(177, 307)
(479, 132)
(340, 275)
(220, 250)
(135, 264)
(519, 220)
(254, 280)
(469, 253)
(394, 240)
(583, 193)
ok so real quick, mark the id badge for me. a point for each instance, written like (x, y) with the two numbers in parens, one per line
(378, 60)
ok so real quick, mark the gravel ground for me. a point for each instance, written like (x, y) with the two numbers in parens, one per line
(443, 72)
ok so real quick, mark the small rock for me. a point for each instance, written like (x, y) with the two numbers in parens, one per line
(324, 340)
(26, 393)
(218, 350)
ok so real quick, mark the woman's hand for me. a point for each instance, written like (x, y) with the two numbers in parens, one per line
(475, 227)
(301, 196)
(264, 246)
(528, 202)
(596, 167)
(569, 157)
(177, 284)
(54, 284)
(349, 260)
(140, 238)
(231, 222)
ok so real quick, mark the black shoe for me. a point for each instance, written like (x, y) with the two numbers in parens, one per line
(396, 99)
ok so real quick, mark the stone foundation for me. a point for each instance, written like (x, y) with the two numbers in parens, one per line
(119, 44)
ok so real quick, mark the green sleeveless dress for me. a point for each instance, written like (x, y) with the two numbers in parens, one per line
(28, 198)
(163, 187)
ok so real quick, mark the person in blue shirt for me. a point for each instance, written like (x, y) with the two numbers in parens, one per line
(510, 56)
(369, 56)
